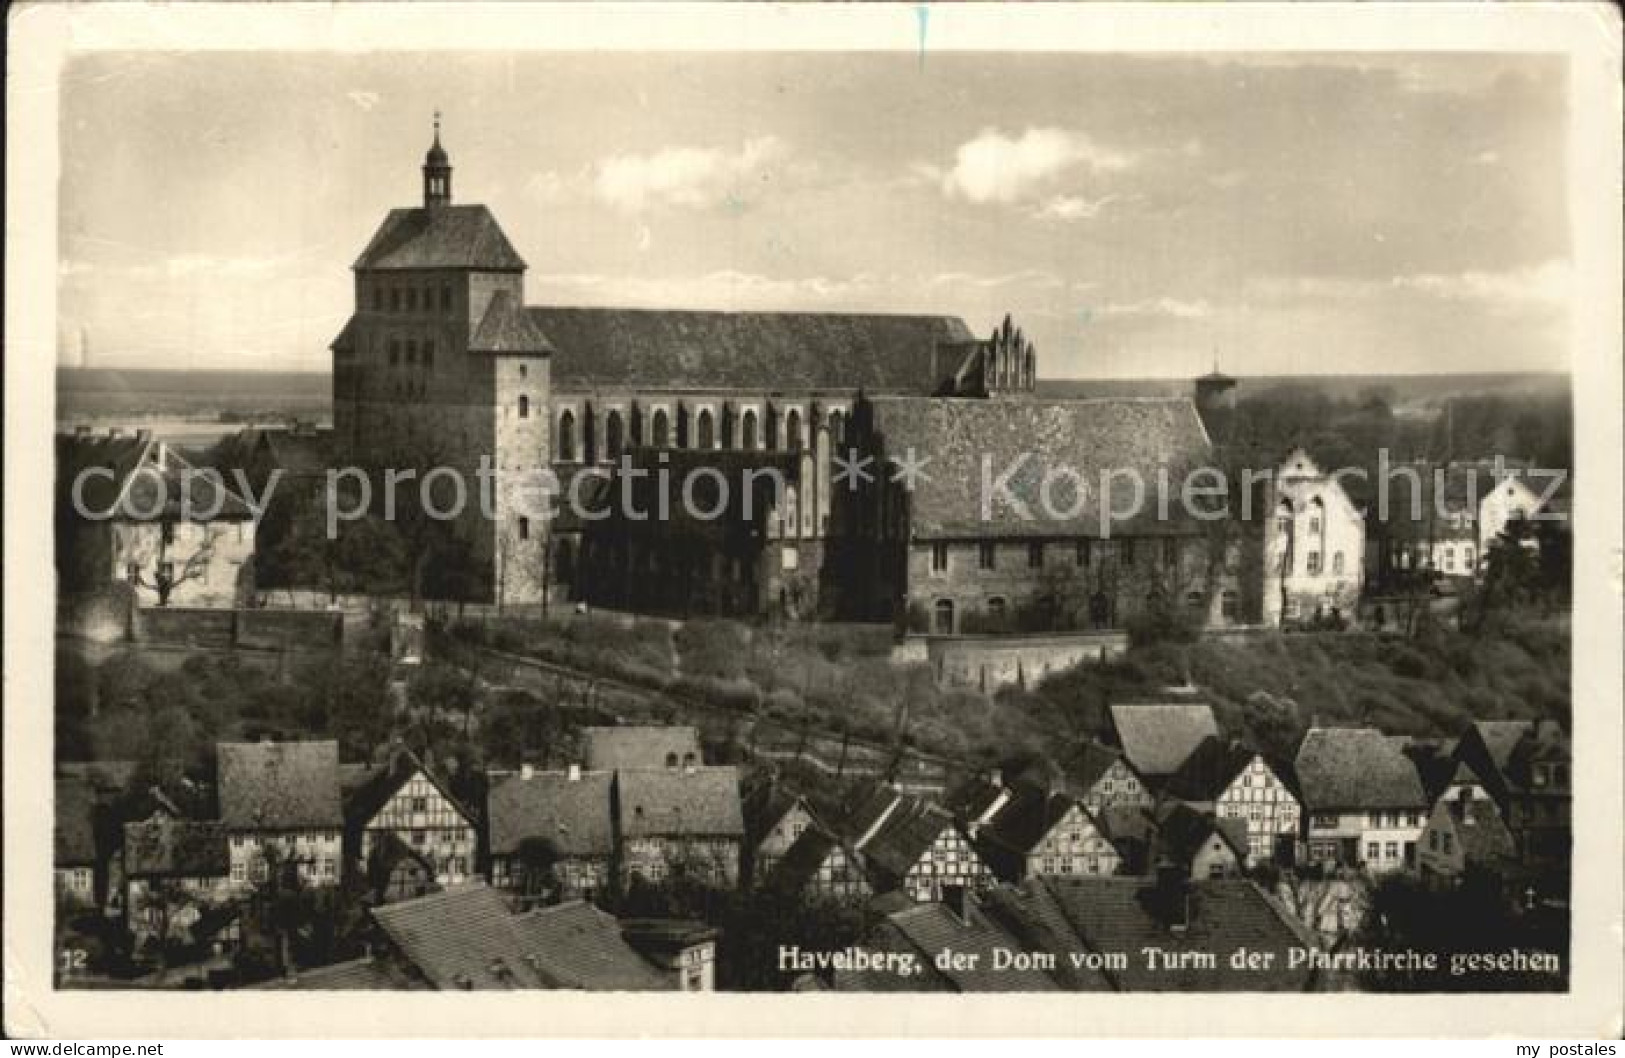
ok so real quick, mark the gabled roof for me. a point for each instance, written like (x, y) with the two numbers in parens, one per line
(148, 481)
(1028, 440)
(932, 928)
(279, 785)
(701, 802)
(868, 804)
(466, 938)
(911, 829)
(1212, 766)
(572, 814)
(175, 848)
(1119, 914)
(1355, 768)
(1030, 814)
(970, 800)
(507, 328)
(765, 804)
(802, 860)
(638, 746)
(1158, 738)
(1501, 738)
(760, 351)
(75, 819)
(441, 237)
(575, 945)
(1091, 762)
(366, 801)
(1182, 832)
(365, 974)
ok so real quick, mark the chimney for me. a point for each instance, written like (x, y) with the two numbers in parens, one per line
(575, 773)
(526, 772)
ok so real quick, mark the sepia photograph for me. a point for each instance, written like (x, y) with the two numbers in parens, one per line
(926, 519)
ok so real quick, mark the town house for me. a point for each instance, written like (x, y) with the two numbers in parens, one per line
(1314, 545)
(280, 805)
(411, 802)
(676, 821)
(1041, 832)
(912, 845)
(1363, 801)
(1238, 784)
(775, 816)
(552, 834)
(1157, 737)
(818, 864)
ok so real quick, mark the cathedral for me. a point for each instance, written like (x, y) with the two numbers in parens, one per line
(443, 362)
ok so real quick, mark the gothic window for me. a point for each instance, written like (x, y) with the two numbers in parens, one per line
(747, 430)
(634, 434)
(706, 440)
(661, 429)
(726, 432)
(792, 430)
(567, 437)
(944, 617)
(837, 426)
(524, 406)
(682, 428)
(612, 435)
(770, 428)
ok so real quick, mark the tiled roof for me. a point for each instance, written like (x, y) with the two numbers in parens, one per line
(1031, 914)
(75, 818)
(1030, 814)
(761, 351)
(147, 483)
(1484, 837)
(933, 928)
(573, 815)
(364, 974)
(575, 945)
(970, 800)
(905, 836)
(867, 803)
(1027, 440)
(1128, 828)
(279, 785)
(507, 328)
(802, 860)
(1355, 768)
(364, 802)
(703, 802)
(459, 938)
(1158, 738)
(638, 746)
(442, 237)
(300, 451)
(765, 804)
(1500, 738)
(1116, 914)
(466, 938)
(1211, 767)
(175, 848)
(1181, 832)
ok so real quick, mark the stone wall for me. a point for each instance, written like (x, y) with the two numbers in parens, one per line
(989, 663)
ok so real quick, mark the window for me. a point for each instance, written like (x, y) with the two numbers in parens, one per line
(1372, 850)
(662, 428)
(995, 608)
(411, 299)
(394, 352)
(1283, 524)
(1450, 558)
(238, 872)
(939, 558)
(378, 299)
(445, 297)
(1337, 564)
(524, 406)
(792, 431)
(747, 430)
(987, 556)
(567, 436)
(1194, 601)
(1314, 525)
(132, 571)
(1083, 555)
(1229, 605)
(419, 837)
(944, 613)
(1126, 550)
(524, 371)
(706, 432)
(1035, 555)
(790, 559)
(524, 528)
(394, 299)
(1449, 844)
(613, 440)
(1393, 850)
(1314, 563)
(428, 353)
(420, 804)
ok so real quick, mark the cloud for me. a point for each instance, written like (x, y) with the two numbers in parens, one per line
(364, 100)
(1550, 283)
(687, 177)
(1073, 207)
(996, 168)
(1163, 307)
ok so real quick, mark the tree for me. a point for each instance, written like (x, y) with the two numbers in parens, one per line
(170, 569)
(1511, 577)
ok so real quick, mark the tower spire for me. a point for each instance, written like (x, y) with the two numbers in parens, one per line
(436, 172)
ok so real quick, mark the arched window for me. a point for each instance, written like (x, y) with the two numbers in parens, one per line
(747, 429)
(837, 427)
(706, 438)
(1317, 515)
(684, 440)
(662, 429)
(612, 436)
(524, 406)
(635, 434)
(671, 760)
(770, 429)
(567, 437)
(944, 617)
(688, 760)
(792, 430)
(726, 433)
(1283, 517)
(589, 435)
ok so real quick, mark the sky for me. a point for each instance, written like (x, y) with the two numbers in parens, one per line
(1137, 216)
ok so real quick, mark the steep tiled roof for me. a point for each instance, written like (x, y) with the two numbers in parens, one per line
(1027, 440)
(905, 836)
(466, 938)
(279, 785)
(365, 801)
(1112, 914)
(147, 483)
(507, 328)
(575, 945)
(868, 803)
(762, 351)
(1157, 739)
(1211, 767)
(1128, 828)
(1030, 814)
(175, 848)
(971, 799)
(802, 860)
(638, 746)
(1032, 915)
(701, 802)
(1355, 768)
(1500, 738)
(765, 804)
(442, 237)
(364, 974)
(573, 815)
(75, 816)
(932, 928)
